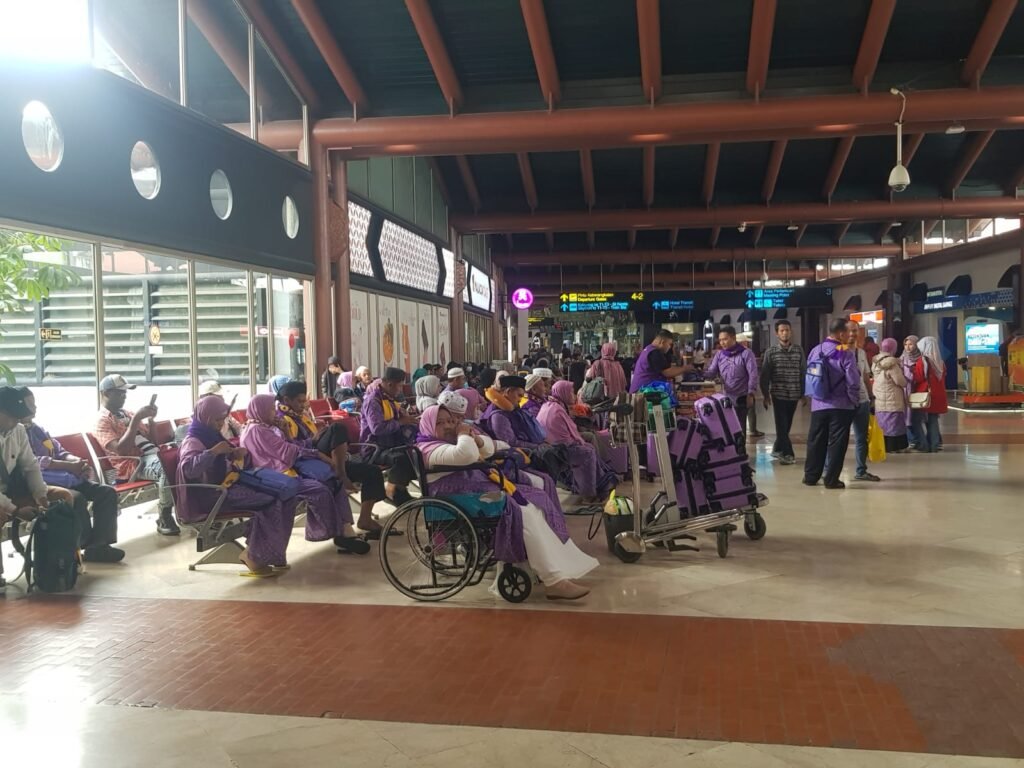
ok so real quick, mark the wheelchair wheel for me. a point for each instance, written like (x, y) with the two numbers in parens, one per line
(438, 555)
(514, 584)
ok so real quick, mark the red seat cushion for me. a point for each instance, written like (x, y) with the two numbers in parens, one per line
(133, 485)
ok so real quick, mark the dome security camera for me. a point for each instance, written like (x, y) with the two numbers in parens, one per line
(899, 178)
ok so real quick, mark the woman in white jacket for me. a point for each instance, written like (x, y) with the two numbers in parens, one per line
(890, 390)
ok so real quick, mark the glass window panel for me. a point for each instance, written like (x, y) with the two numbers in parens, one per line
(358, 226)
(146, 327)
(275, 99)
(222, 329)
(138, 40)
(60, 371)
(289, 331)
(408, 258)
(218, 62)
(261, 320)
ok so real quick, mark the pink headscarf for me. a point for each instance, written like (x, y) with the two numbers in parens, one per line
(474, 399)
(267, 445)
(262, 409)
(563, 392)
(427, 440)
(346, 380)
(608, 350)
(889, 346)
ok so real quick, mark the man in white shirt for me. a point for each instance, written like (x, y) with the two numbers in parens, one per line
(19, 469)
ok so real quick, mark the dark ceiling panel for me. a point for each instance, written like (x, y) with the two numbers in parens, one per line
(810, 33)
(459, 200)
(741, 172)
(618, 178)
(679, 175)
(1003, 155)
(571, 241)
(929, 32)
(382, 46)
(804, 168)
(558, 180)
(704, 37)
(498, 181)
(486, 40)
(935, 159)
(610, 241)
(594, 39)
(867, 168)
(1012, 41)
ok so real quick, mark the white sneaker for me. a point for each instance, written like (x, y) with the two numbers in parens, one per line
(565, 590)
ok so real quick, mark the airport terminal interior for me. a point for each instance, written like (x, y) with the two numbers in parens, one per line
(562, 383)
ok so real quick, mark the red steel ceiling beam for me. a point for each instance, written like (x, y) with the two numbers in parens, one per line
(590, 278)
(437, 54)
(126, 48)
(648, 24)
(985, 42)
(280, 51)
(526, 173)
(468, 181)
(543, 54)
(841, 231)
(697, 255)
(318, 29)
(771, 174)
(714, 151)
(587, 172)
(799, 234)
(210, 26)
(648, 176)
(829, 116)
(762, 24)
(835, 171)
(973, 148)
(733, 216)
(871, 43)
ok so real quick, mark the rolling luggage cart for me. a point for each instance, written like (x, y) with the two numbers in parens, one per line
(653, 526)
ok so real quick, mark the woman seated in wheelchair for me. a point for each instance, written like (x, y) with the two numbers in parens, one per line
(207, 458)
(530, 530)
(328, 513)
(590, 477)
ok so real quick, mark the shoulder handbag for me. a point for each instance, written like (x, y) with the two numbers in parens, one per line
(270, 482)
(920, 400)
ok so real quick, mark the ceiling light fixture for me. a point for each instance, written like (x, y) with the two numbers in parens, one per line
(792, 228)
(955, 128)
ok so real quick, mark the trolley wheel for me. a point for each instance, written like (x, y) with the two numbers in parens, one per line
(722, 542)
(625, 555)
(437, 556)
(755, 527)
(514, 584)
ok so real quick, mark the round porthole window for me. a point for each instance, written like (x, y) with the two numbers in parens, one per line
(290, 217)
(220, 194)
(42, 137)
(145, 170)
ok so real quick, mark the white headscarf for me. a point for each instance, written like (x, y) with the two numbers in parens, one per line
(929, 348)
(454, 402)
(427, 390)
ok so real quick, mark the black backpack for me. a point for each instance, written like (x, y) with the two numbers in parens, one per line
(51, 554)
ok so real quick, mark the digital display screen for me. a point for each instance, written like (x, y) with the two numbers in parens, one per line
(983, 338)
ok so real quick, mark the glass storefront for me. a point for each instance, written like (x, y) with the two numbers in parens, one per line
(167, 323)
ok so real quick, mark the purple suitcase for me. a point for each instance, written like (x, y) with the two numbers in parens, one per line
(686, 444)
(691, 498)
(719, 417)
(618, 459)
(742, 499)
(727, 485)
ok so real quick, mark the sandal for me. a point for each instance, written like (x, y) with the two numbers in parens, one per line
(376, 534)
(263, 572)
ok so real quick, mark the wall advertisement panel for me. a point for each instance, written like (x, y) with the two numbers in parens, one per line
(408, 343)
(359, 309)
(442, 334)
(386, 334)
(426, 339)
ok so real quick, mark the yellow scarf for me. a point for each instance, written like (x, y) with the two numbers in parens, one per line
(501, 481)
(498, 398)
(232, 475)
(291, 422)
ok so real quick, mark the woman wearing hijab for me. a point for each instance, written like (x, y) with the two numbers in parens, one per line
(890, 391)
(276, 382)
(328, 515)
(591, 478)
(536, 395)
(207, 458)
(527, 531)
(427, 389)
(911, 354)
(345, 393)
(609, 369)
(929, 375)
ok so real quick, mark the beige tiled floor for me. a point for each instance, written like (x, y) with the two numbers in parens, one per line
(112, 737)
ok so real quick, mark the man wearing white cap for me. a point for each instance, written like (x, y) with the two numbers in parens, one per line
(536, 394)
(125, 438)
(456, 379)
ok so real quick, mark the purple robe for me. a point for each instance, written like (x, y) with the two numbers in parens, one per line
(327, 508)
(378, 430)
(582, 457)
(267, 532)
(643, 374)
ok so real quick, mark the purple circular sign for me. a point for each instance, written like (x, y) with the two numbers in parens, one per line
(522, 298)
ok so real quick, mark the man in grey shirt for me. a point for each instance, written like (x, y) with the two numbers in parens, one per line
(782, 384)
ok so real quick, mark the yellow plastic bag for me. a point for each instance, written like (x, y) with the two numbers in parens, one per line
(876, 442)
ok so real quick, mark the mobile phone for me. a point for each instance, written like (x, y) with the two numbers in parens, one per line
(152, 401)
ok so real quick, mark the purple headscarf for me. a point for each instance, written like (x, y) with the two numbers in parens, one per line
(427, 440)
(346, 380)
(889, 346)
(262, 409)
(563, 392)
(208, 410)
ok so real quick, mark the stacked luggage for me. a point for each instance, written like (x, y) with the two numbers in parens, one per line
(712, 470)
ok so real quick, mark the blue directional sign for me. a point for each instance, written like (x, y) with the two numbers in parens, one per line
(596, 301)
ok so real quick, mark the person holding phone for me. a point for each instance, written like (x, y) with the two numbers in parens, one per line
(125, 437)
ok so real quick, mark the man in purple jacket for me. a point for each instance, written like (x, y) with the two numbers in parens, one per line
(832, 411)
(736, 366)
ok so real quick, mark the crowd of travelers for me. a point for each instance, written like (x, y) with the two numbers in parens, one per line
(277, 459)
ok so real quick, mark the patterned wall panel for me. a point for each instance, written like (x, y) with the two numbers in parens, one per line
(358, 225)
(408, 258)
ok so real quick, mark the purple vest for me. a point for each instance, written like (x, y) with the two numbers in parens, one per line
(642, 373)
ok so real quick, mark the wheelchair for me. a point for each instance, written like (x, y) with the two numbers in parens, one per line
(447, 543)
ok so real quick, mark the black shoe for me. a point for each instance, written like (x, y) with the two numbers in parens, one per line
(868, 476)
(836, 485)
(353, 545)
(166, 524)
(400, 496)
(104, 553)
(807, 482)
